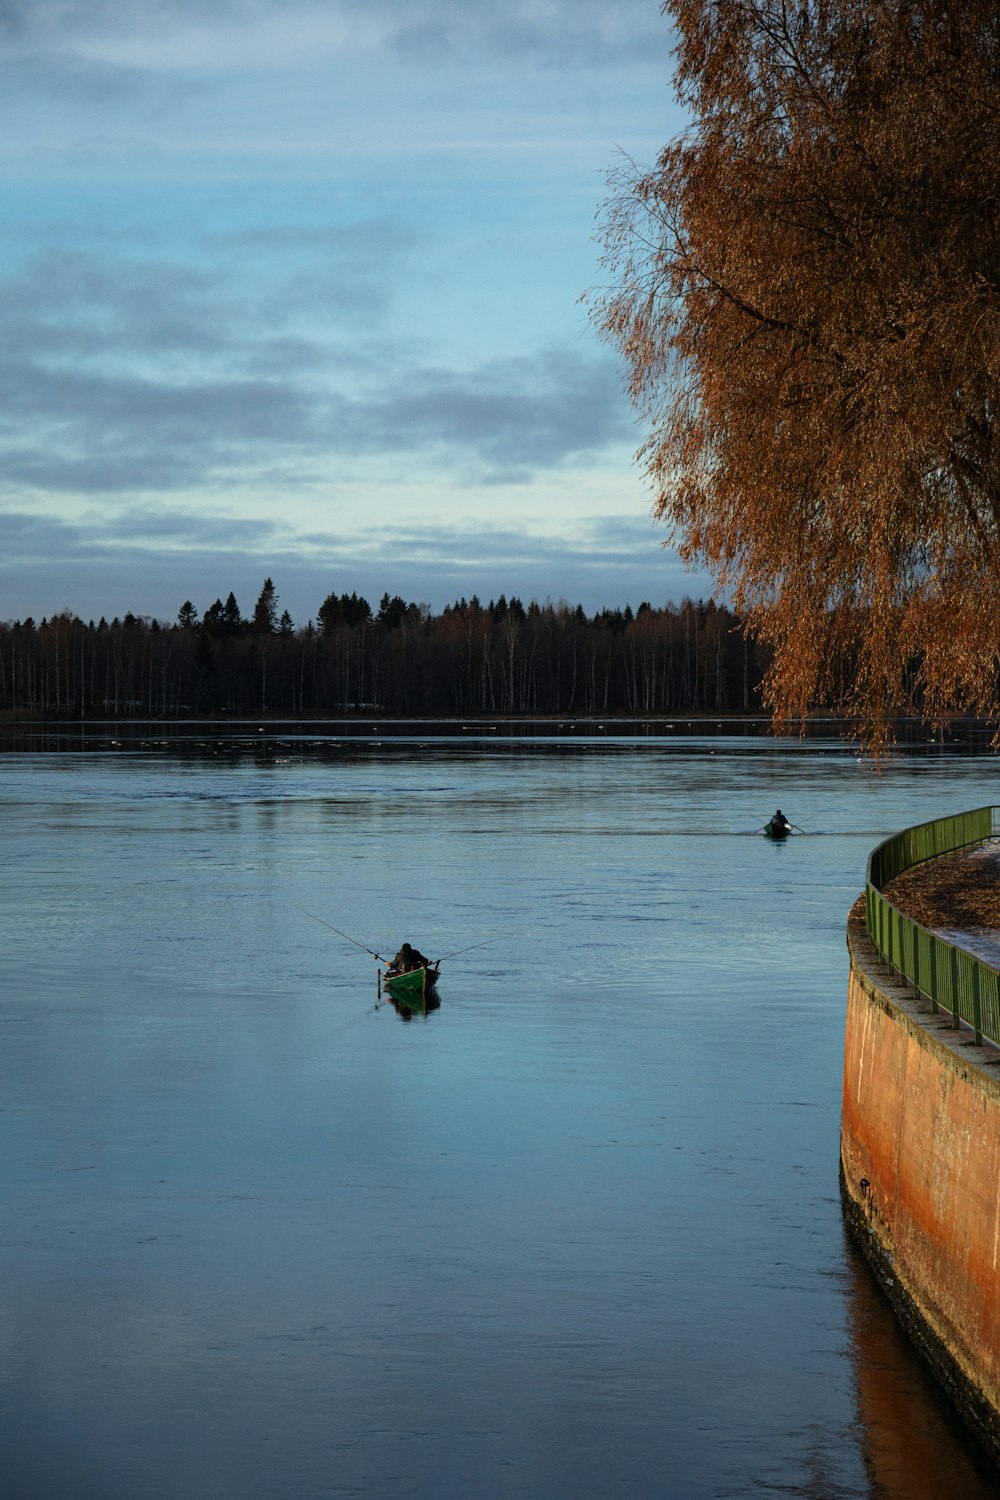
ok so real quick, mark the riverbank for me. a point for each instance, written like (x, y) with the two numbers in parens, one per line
(962, 734)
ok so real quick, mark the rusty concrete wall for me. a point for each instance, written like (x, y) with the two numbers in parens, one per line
(920, 1178)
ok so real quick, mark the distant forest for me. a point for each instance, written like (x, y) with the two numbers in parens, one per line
(398, 660)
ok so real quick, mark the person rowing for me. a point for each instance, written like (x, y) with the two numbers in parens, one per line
(779, 826)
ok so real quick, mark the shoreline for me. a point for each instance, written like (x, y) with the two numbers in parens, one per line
(14, 718)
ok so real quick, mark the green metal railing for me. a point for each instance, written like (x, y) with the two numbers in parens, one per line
(950, 977)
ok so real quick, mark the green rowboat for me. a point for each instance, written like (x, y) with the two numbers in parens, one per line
(412, 989)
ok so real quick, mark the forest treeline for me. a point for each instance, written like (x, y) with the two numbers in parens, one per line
(400, 659)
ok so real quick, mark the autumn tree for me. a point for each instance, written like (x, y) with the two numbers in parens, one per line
(806, 291)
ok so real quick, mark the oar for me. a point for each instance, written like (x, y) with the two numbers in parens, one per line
(377, 956)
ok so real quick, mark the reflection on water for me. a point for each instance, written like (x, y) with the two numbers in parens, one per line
(407, 1010)
(575, 1233)
(914, 1446)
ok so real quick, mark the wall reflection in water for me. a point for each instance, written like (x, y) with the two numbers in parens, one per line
(914, 1446)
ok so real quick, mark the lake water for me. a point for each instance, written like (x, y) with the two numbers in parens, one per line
(574, 1234)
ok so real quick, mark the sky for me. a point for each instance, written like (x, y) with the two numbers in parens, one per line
(293, 290)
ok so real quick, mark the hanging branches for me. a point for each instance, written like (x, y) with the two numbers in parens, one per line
(805, 289)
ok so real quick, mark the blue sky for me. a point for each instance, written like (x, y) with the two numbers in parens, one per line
(293, 290)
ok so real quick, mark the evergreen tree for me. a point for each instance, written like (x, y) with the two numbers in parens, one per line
(265, 615)
(392, 612)
(214, 621)
(329, 615)
(232, 620)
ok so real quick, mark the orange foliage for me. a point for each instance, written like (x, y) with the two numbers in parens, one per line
(805, 290)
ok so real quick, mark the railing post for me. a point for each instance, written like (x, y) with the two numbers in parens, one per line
(934, 987)
(916, 963)
(954, 988)
(977, 1014)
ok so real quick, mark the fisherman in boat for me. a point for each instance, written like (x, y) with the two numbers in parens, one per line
(779, 825)
(408, 959)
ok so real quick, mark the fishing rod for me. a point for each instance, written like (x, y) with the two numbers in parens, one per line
(377, 956)
(484, 944)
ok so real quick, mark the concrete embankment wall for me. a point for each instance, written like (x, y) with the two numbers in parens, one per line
(920, 1178)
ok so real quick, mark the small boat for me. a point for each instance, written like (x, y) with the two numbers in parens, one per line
(414, 988)
(773, 830)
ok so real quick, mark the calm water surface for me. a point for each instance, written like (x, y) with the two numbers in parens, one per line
(576, 1234)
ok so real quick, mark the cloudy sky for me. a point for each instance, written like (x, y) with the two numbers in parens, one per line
(291, 288)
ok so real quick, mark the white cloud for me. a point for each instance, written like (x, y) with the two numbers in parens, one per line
(94, 566)
(296, 284)
(148, 373)
(257, 39)
(266, 34)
